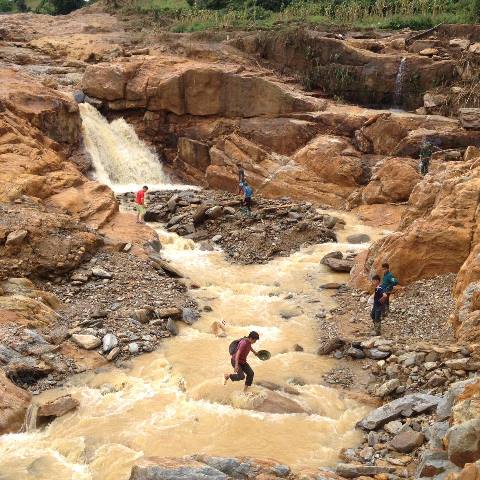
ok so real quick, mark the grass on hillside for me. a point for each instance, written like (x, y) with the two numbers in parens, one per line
(179, 16)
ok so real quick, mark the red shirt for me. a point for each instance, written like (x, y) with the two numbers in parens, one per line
(140, 197)
(244, 348)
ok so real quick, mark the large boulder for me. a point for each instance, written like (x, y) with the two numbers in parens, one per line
(394, 181)
(189, 88)
(463, 442)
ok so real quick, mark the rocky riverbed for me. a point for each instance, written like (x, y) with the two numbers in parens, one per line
(217, 220)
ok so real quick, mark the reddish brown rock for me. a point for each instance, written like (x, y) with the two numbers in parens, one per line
(13, 405)
(394, 181)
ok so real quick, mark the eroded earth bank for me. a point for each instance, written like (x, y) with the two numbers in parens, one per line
(90, 386)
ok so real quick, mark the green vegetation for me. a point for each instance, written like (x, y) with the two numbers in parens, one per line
(194, 15)
(52, 7)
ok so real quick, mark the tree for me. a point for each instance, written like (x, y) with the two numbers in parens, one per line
(6, 6)
(21, 5)
(476, 10)
(62, 7)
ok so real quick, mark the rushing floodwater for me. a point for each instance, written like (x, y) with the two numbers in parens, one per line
(172, 402)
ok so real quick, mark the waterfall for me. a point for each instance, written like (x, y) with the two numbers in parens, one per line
(120, 159)
(397, 97)
(30, 423)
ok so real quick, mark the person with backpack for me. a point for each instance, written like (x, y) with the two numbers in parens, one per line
(247, 197)
(389, 282)
(239, 350)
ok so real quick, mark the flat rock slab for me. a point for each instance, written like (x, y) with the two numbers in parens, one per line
(393, 410)
(155, 468)
(58, 407)
(349, 470)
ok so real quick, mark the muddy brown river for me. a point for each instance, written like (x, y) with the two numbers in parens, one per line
(173, 402)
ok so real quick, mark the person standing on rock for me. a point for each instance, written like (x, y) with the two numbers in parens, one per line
(247, 197)
(426, 151)
(239, 350)
(379, 299)
(389, 282)
(140, 204)
(241, 178)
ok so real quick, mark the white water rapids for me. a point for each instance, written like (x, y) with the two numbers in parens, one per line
(172, 402)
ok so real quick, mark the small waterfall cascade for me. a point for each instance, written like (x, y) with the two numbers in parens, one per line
(30, 423)
(397, 97)
(120, 159)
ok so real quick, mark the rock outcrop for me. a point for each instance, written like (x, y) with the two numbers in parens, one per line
(438, 234)
(13, 405)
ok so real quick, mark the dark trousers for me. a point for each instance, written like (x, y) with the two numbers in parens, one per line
(376, 314)
(248, 203)
(245, 369)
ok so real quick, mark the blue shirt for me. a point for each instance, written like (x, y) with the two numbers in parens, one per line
(388, 282)
(248, 191)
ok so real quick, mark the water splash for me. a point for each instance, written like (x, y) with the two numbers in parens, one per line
(397, 98)
(120, 159)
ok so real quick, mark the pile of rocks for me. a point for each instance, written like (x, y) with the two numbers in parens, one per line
(275, 228)
(401, 369)
(419, 436)
(123, 303)
(114, 306)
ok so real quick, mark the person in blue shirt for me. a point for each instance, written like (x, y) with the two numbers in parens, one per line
(247, 197)
(379, 299)
(389, 282)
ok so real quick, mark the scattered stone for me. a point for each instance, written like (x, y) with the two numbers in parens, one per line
(88, 342)
(406, 442)
(358, 238)
(331, 345)
(356, 353)
(114, 353)
(349, 470)
(133, 348)
(109, 341)
(393, 427)
(100, 273)
(169, 312)
(388, 387)
(16, 237)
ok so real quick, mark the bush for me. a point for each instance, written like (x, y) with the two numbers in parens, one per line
(62, 7)
(6, 6)
(476, 10)
(423, 22)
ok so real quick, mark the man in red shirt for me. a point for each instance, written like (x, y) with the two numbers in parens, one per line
(239, 361)
(140, 204)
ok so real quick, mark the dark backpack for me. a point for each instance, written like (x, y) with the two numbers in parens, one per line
(233, 347)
